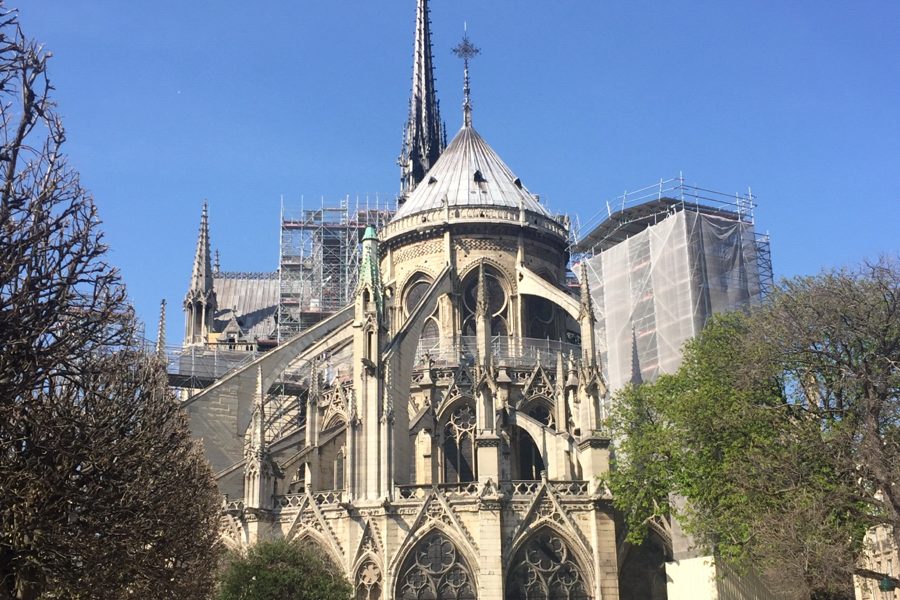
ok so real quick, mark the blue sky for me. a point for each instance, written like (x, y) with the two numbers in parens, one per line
(167, 103)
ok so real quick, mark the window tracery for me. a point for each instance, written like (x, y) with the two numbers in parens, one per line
(544, 569)
(540, 412)
(368, 581)
(459, 445)
(498, 304)
(415, 291)
(434, 570)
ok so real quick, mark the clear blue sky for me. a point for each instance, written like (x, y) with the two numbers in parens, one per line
(167, 103)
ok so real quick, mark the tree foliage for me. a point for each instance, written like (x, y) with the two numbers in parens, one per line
(780, 430)
(102, 492)
(281, 569)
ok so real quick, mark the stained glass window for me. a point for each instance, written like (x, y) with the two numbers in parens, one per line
(459, 441)
(435, 571)
(544, 569)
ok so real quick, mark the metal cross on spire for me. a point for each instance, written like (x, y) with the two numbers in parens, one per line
(466, 50)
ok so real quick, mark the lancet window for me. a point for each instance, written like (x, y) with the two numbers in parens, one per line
(545, 569)
(368, 581)
(459, 445)
(434, 570)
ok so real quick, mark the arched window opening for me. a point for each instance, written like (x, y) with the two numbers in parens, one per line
(415, 291)
(545, 569)
(540, 318)
(430, 340)
(332, 462)
(528, 459)
(435, 571)
(298, 481)
(539, 411)
(368, 581)
(498, 304)
(459, 445)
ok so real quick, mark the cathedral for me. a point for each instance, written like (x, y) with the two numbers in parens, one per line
(439, 436)
(438, 433)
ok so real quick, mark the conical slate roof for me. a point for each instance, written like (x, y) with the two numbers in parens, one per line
(469, 173)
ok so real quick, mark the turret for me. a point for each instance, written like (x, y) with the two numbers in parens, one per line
(369, 435)
(200, 300)
(259, 473)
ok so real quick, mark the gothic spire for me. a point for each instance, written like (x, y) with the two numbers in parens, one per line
(586, 302)
(161, 332)
(201, 276)
(423, 139)
(258, 434)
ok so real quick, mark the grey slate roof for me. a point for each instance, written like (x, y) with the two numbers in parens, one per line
(250, 297)
(453, 177)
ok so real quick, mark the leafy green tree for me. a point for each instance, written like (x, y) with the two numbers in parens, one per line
(780, 431)
(283, 570)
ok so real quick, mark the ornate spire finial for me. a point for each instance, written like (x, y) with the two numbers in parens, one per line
(466, 50)
(201, 276)
(482, 300)
(424, 137)
(161, 332)
(216, 265)
(258, 435)
(586, 302)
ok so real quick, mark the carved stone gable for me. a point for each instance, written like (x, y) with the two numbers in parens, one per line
(309, 518)
(539, 383)
(370, 541)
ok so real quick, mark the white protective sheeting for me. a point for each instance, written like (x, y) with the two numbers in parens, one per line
(655, 290)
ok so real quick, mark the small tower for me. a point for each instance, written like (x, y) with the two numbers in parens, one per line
(423, 137)
(200, 301)
(259, 474)
(369, 429)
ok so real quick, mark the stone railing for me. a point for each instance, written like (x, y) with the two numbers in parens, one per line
(566, 489)
(472, 489)
(569, 488)
(322, 498)
(478, 214)
(524, 487)
(466, 489)
(507, 351)
(232, 505)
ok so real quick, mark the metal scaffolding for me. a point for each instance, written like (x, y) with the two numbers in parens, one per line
(661, 261)
(319, 260)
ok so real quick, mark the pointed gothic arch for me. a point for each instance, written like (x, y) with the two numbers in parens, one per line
(436, 568)
(456, 440)
(499, 291)
(547, 565)
(318, 541)
(368, 579)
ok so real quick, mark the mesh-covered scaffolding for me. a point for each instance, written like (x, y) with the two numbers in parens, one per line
(319, 261)
(661, 261)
